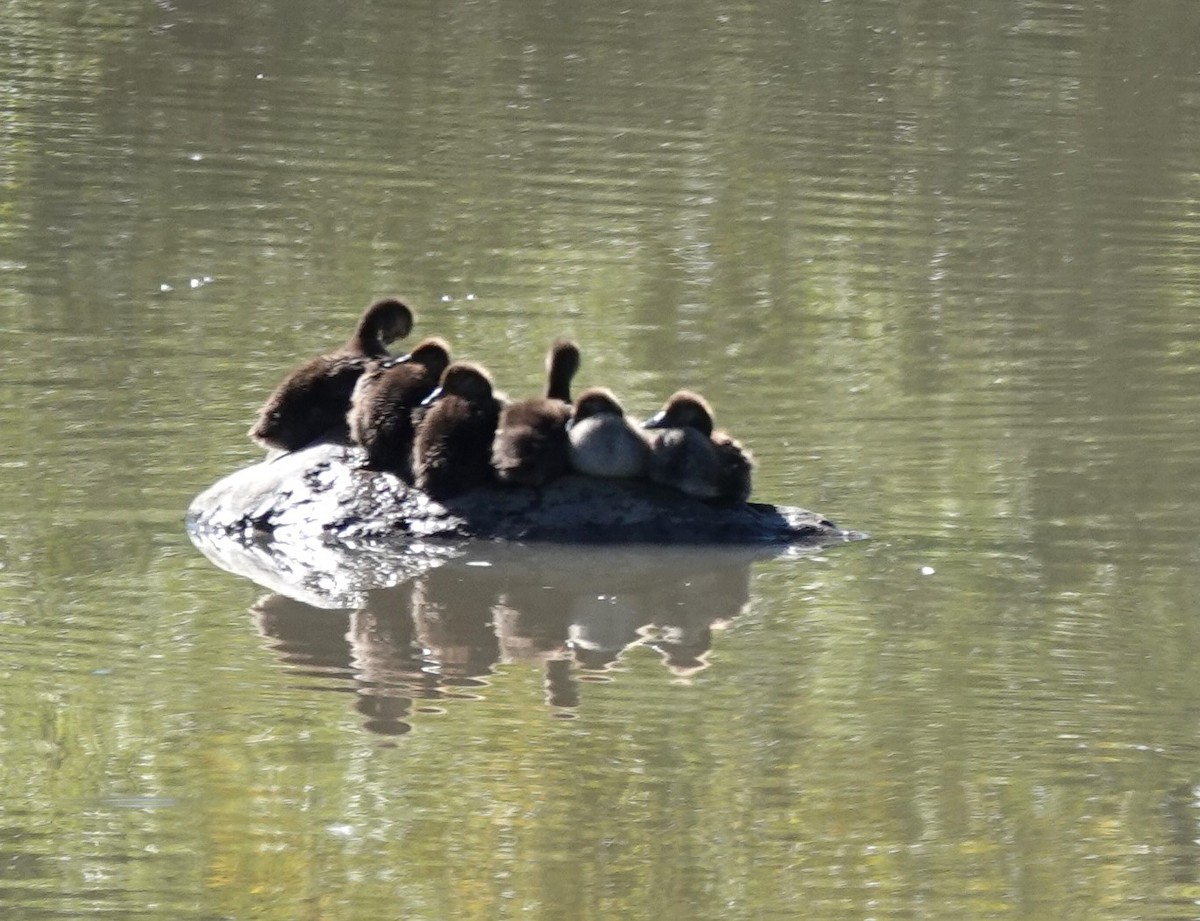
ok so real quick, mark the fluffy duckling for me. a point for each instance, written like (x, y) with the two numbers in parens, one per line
(737, 467)
(312, 400)
(687, 454)
(452, 450)
(531, 446)
(603, 442)
(382, 406)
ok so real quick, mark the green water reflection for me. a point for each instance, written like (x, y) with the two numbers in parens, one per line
(937, 263)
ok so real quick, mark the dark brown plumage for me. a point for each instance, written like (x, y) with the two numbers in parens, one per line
(312, 401)
(452, 450)
(383, 403)
(688, 455)
(532, 447)
(735, 468)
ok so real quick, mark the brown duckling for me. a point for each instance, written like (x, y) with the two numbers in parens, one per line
(452, 450)
(312, 400)
(531, 446)
(687, 454)
(737, 468)
(382, 406)
(603, 442)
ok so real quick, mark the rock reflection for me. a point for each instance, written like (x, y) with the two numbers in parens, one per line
(572, 612)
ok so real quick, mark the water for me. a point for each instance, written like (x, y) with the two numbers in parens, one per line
(937, 264)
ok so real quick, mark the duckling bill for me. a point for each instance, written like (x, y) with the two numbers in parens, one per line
(452, 450)
(688, 455)
(532, 447)
(312, 401)
(384, 401)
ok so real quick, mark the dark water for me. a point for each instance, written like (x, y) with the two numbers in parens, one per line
(937, 263)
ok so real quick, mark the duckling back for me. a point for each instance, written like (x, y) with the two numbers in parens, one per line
(312, 401)
(684, 459)
(383, 404)
(452, 450)
(309, 404)
(532, 447)
(735, 468)
(603, 442)
(687, 455)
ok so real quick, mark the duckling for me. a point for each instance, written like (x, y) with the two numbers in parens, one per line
(737, 467)
(453, 446)
(531, 446)
(687, 454)
(381, 417)
(312, 400)
(603, 442)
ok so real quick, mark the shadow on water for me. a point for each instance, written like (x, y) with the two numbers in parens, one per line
(571, 611)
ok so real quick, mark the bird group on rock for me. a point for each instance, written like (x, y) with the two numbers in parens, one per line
(440, 425)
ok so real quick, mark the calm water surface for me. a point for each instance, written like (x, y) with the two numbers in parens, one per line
(937, 263)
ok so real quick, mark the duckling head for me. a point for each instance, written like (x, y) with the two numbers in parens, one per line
(596, 401)
(433, 353)
(562, 363)
(684, 409)
(463, 379)
(387, 319)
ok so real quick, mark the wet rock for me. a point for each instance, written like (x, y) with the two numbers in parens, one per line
(323, 492)
(314, 526)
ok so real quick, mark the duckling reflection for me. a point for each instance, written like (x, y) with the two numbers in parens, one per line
(603, 442)
(531, 625)
(562, 690)
(385, 399)
(452, 452)
(603, 625)
(410, 648)
(388, 666)
(687, 455)
(452, 613)
(688, 611)
(312, 401)
(598, 604)
(330, 644)
(528, 638)
(310, 640)
(531, 447)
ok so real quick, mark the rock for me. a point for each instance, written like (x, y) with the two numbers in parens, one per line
(315, 526)
(322, 490)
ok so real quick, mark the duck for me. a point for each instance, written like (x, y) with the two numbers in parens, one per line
(736, 470)
(452, 450)
(687, 454)
(532, 446)
(603, 442)
(312, 401)
(385, 400)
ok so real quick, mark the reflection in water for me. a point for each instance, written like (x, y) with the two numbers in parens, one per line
(572, 612)
(308, 639)
(937, 260)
